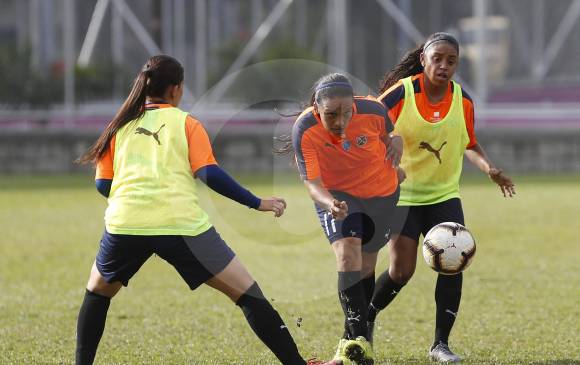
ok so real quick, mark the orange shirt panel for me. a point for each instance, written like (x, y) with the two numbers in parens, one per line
(355, 165)
(200, 151)
(199, 147)
(394, 99)
(105, 164)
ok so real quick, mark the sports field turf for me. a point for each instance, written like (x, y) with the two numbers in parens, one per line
(521, 298)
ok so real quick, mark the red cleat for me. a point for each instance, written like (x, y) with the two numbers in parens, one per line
(320, 362)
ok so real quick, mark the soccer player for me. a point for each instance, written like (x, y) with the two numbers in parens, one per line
(347, 158)
(435, 118)
(147, 159)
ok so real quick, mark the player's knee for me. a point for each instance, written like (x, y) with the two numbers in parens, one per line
(401, 275)
(101, 287)
(348, 261)
(348, 254)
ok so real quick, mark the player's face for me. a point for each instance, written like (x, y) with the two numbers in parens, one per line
(440, 62)
(335, 113)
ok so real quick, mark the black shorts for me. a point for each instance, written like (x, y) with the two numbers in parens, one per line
(419, 219)
(196, 258)
(368, 219)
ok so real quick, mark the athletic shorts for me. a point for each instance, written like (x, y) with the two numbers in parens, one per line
(368, 219)
(196, 258)
(419, 219)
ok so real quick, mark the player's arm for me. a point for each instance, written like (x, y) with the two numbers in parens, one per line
(222, 183)
(394, 145)
(392, 101)
(307, 162)
(104, 174)
(477, 156)
(204, 167)
(104, 186)
(323, 198)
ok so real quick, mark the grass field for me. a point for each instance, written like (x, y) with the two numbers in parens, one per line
(521, 298)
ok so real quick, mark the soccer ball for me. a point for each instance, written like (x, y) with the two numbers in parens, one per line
(448, 248)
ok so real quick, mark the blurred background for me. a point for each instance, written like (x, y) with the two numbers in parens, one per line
(66, 66)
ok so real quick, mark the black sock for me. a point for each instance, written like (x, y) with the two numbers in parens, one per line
(447, 298)
(369, 288)
(90, 326)
(386, 290)
(354, 305)
(269, 326)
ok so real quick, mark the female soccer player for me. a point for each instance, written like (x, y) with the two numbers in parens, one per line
(347, 157)
(147, 159)
(435, 118)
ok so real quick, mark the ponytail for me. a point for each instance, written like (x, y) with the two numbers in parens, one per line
(409, 65)
(158, 73)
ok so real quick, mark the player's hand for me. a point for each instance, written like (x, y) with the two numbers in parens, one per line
(276, 205)
(504, 182)
(395, 150)
(339, 209)
(401, 175)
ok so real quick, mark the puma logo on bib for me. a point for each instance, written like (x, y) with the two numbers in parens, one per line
(428, 147)
(155, 135)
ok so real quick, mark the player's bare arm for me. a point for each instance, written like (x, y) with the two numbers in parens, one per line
(321, 196)
(477, 156)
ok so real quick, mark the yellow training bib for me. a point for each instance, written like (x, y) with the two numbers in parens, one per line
(433, 152)
(153, 190)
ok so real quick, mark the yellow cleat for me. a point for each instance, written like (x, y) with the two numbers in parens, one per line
(340, 355)
(359, 351)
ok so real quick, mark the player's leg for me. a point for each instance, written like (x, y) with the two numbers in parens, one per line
(350, 287)
(206, 258)
(377, 229)
(369, 262)
(402, 259)
(448, 287)
(93, 315)
(345, 237)
(118, 259)
(240, 287)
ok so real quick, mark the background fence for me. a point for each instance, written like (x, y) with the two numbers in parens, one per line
(66, 66)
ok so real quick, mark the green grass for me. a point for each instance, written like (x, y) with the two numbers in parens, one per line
(520, 299)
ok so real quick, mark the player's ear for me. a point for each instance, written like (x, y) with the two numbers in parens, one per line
(422, 59)
(175, 89)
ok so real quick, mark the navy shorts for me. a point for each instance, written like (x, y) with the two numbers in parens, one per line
(196, 258)
(419, 219)
(368, 219)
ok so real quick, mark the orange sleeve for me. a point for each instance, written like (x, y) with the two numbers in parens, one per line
(105, 164)
(308, 158)
(200, 151)
(469, 115)
(393, 99)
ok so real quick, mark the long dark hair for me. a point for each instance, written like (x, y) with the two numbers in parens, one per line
(410, 64)
(158, 73)
(328, 86)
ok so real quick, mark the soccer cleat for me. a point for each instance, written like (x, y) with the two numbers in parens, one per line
(370, 331)
(359, 351)
(441, 353)
(339, 355)
(320, 362)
